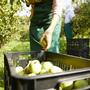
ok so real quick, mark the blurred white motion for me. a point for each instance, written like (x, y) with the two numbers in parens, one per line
(24, 10)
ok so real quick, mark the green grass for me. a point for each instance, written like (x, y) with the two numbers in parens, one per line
(1, 88)
(13, 46)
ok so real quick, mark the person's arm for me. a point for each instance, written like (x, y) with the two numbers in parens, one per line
(47, 36)
(57, 13)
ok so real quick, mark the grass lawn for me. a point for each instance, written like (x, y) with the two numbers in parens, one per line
(1, 88)
(15, 46)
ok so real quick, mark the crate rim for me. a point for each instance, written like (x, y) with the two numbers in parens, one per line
(66, 73)
(9, 53)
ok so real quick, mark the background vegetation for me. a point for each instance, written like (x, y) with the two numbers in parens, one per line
(81, 22)
(14, 30)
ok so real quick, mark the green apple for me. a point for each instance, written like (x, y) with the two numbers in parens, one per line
(43, 43)
(43, 71)
(80, 84)
(35, 66)
(32, 74)
(55, 69)
(60, 88)
(46, 65)
(66, 85)
(19, 69)
(27, 68)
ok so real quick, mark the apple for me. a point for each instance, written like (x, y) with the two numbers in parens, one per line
(32, 74)
(60, 88)
(55, 69)
(66, 85)
(43, 71)
(43, 43)
(19, 69)
(35, 66)
(80, 84)
(46, 65)
(27, 68)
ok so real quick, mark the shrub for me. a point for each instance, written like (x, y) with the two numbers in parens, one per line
(11, 27)
(81, 22)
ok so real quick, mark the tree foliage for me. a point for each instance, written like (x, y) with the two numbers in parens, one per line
(10, 26)
(81, 22)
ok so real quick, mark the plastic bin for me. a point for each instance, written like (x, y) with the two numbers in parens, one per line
(78, 47)
(75, 68)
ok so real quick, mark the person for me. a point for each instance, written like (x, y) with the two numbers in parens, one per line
(46, 24)
(68, 16)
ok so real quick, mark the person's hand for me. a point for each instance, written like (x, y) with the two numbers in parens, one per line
(47, 39)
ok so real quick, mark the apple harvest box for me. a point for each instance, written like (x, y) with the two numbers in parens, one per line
(78, 47)
(75, 68)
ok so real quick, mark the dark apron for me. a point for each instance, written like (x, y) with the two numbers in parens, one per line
(39, 23)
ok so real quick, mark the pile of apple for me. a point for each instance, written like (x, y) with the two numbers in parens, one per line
(36, 67)
(73, 85)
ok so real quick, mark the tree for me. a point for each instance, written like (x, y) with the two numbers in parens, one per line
(81, 22)
(10, 26)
